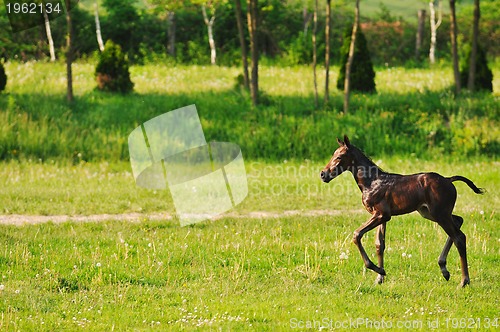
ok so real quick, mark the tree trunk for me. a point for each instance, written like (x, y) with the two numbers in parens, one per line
(327, 51)
(98, 29)
(454, 48)
(171, 34)
(69, 52)
(473, 51)
(252, 29)
(347, 81)
(420, 33)
(306, 18)
(49, 35)
(434, 26)
(243, 46)
(210, 28)
(315, 30)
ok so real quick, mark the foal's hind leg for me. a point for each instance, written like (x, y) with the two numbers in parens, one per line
(444, 254)
(380, 246)
(459, 239)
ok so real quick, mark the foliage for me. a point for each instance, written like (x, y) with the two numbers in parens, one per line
(484, 75)
(413, 112)
(122, 24)
(362, 73)
(3, 77)
(284, 37)
(112, 71)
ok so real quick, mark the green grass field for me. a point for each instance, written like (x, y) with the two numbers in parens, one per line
(283, 259)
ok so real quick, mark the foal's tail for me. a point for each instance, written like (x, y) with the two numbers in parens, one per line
(468, 182)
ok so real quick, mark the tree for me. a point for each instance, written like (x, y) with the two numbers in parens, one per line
(112, 71)
(122, 21)
(48, 31)
(347, 83)
(327, 50)
(483, 79)
(3, 77)
(210, 30)
(434, 26)
(98, 28)
(167, 8)
(362, 75)
(315, 30)
(254, 49)
(473, 53)
(420, 33)
(69, 52)
(454, 48)
(243, 46)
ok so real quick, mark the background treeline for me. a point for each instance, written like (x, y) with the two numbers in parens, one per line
(142, 29)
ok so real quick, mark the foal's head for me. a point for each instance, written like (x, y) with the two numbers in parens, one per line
(341, 160)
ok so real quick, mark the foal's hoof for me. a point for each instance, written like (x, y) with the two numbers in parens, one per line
(446, 275)
(379, 280)
(464, 283)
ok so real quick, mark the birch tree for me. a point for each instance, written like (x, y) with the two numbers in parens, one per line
(347, 82)
(98, 28)
(434, 27)
(48, 31)
(209, 22)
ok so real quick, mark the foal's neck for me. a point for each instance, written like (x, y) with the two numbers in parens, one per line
(364, 170)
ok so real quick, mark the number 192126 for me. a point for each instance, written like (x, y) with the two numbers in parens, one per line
(32, 8)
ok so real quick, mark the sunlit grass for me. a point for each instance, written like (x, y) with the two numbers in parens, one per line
(237, 274)
(102, 188)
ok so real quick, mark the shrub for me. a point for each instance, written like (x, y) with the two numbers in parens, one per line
(112, 71)
(362, 73)
(484, 76)
(3, 77)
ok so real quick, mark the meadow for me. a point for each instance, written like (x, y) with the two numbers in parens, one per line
(283, 259)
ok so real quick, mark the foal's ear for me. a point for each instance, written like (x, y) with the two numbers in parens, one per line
(340, 142)
(346, 141)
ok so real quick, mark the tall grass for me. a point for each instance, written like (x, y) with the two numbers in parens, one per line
(414, 112)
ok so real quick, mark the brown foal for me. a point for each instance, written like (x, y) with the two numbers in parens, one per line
(386, 195)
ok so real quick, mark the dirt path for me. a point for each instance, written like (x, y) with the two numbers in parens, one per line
(19, 220)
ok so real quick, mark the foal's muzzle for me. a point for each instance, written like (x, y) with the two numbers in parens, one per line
(326, 176)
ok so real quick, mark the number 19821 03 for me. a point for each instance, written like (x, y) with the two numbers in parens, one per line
(32, 8)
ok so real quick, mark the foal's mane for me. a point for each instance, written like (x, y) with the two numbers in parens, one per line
(362, 157)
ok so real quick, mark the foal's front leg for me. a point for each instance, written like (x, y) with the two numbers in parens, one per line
(376, 220)
(380, 246)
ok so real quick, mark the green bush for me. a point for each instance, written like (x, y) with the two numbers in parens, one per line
(484, 75)
(112, 71)
(362, 73)
(3, 77)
